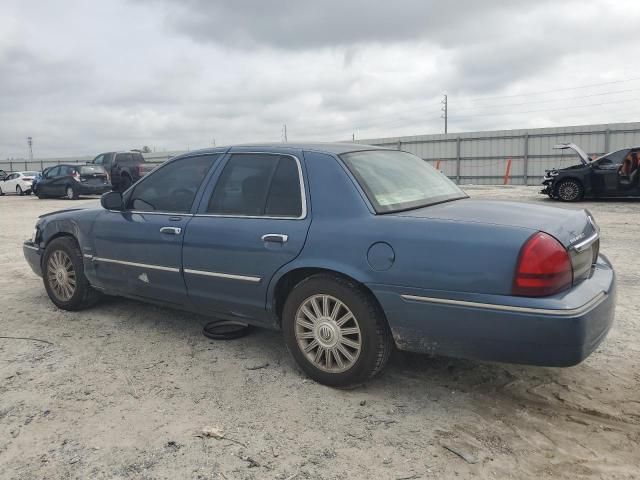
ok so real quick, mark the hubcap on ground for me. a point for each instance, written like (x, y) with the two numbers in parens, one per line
(61, 275)
(328, 333)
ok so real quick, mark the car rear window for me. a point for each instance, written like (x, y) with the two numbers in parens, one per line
(91, 169)
(129, 158)
(395, 181)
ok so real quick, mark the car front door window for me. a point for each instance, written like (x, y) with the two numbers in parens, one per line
(172, 188)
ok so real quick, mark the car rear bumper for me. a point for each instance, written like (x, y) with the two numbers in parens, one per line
(33, 255)
(93, 189)
(561, 330)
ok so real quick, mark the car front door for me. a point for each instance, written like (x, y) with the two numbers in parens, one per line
(138, 251)
(8, 186)
(605, 179)
(252, 220)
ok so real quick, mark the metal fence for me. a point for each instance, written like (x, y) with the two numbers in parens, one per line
(22, 164)
(468, 158)
(483, 157)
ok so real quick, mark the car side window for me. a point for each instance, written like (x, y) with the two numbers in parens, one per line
(258, 185)
(614, 158)
(98, 160)
(172, 187)
(54, 172)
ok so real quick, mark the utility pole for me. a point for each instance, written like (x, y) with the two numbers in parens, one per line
(284, 133)
(444, 112)
(353, 137)
(30, 144)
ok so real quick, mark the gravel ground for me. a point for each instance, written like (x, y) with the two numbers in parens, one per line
(124, 390)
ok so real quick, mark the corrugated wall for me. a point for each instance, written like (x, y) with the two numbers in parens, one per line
(482, 157)
(471, 157)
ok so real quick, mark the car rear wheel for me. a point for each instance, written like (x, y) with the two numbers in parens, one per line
(335, 331)
(63, 276)
(570, 190)
(19, 190)
(1, 192)
(70, 193)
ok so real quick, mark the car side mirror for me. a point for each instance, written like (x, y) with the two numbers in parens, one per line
(112, 201)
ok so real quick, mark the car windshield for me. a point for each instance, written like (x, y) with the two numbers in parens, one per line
(395, 181)
(89, 169)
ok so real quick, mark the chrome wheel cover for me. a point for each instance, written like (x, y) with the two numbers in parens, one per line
(328, 333)
(568, 190)
(61, 275)
(70, 193)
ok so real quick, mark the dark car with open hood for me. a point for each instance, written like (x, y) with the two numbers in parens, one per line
(613, 175)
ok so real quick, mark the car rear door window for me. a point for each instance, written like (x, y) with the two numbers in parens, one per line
(171, 188)
(256, 185)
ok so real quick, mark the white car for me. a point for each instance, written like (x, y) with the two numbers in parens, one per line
(18, 183)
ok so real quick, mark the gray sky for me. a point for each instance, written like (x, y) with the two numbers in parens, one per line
(83, 77)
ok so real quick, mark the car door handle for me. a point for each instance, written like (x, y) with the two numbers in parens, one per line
(275, 237)
(171, 230)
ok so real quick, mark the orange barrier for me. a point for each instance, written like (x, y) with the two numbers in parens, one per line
(507, 172)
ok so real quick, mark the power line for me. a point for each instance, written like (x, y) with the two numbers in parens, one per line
(547, 109)
(549, 91)
(558, 99)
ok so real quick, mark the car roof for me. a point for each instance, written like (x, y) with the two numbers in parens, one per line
(331, 148)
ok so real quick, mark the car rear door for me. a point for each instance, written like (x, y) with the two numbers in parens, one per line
(138, 251)
(252, 220)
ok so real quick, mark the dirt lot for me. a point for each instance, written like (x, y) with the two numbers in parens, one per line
(124, 388)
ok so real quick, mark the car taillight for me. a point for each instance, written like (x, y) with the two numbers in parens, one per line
(544, 267)
(140, 169)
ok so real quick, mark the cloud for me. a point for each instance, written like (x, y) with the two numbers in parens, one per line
(84, 77)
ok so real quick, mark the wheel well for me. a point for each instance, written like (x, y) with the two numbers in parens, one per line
(292, 278)
(57, 235)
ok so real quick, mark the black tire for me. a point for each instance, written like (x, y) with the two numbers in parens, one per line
(375, 338)
(19, 190)
(84, 295)
(570, 190)
(225, 330)
(1, 193)
(125, 182)
(71, 193)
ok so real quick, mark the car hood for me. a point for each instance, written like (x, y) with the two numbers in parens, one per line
(66, 210)
(584, 158)
(568, 226)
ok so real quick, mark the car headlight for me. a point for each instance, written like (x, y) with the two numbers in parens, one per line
(34, 235)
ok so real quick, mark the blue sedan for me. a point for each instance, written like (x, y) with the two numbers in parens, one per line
(350, 250)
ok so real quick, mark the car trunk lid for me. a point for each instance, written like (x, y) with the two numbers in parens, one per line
(575, 229)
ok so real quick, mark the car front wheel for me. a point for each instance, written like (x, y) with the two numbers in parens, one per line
(63, 275)
(19, 190)
(336, 331)
(570, 190)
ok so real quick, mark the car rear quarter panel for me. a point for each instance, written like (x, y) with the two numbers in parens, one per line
(428, 253)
